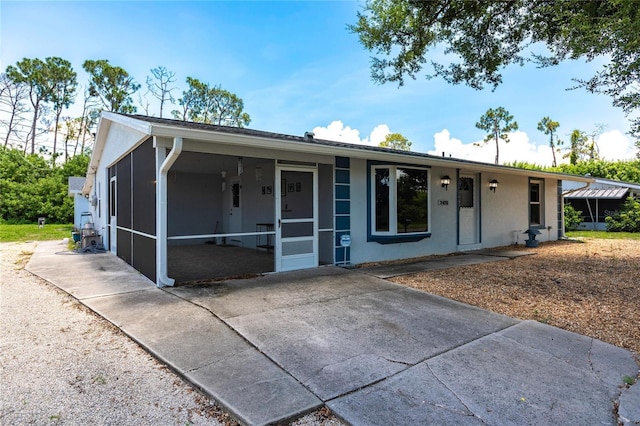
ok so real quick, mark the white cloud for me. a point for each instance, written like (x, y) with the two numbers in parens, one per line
(613, 146)
(520, 148)
(337, 131)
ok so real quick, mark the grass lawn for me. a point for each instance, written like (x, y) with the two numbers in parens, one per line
(31, 232)
(604, 235)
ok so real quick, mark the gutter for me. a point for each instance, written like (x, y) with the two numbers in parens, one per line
(162, 280)
(577, 189)
(331, 148)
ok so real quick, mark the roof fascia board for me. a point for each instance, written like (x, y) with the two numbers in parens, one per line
(170, 131)
(133, 123)
(276, 144)
(104, 125)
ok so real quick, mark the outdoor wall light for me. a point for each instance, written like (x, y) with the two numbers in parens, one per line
(493, 184)
(445, 181)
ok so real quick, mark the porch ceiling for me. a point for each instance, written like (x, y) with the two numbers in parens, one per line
(202, 163)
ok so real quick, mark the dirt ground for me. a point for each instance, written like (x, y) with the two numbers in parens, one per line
(591, 287)
(62, 364)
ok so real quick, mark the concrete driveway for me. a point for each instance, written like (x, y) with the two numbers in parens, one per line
(274, 347)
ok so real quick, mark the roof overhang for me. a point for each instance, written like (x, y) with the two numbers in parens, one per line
(164, 128)
(104, 125)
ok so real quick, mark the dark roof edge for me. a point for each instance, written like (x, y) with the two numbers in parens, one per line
(350, 146)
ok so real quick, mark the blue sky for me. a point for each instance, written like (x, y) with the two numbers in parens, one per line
(298, 68)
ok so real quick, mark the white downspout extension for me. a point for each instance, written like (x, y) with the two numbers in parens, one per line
(162, 280)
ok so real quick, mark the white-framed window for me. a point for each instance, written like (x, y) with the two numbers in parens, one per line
(536, 203)
(399, 200)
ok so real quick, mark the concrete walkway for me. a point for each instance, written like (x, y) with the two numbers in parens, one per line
(389, 270)
(272, 348)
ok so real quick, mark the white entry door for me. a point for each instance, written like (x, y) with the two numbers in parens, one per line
(113, 215)
(467, 210)
(297, 218)
(235, 210)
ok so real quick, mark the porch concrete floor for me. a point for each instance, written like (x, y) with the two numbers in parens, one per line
(213, 261)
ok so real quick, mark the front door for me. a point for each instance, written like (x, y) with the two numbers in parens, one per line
(467, 210)
(113, 215)
(297, 218)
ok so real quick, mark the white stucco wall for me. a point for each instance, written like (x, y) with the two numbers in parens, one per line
(551, 211)
(80, 205)
(119, 141)
(505, 212)
(502, 213)
(442, 226)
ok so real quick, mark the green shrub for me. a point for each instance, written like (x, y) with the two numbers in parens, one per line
(572, 217)
(627, 219)
(31, 187)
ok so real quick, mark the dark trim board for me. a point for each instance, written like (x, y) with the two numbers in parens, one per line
(342, 213)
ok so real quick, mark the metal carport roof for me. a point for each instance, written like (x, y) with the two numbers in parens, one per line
(609, 193)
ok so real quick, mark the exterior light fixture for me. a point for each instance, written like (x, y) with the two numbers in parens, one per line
(445, 181)
(493, 184)
(240, 166)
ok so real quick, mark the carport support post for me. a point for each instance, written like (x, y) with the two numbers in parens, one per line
(163, 164)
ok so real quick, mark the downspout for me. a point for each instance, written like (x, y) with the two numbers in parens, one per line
(162, 280)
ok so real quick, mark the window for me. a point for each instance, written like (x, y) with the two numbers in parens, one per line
(465, 190)
(399, 201)
(536, 216)
(235, 194)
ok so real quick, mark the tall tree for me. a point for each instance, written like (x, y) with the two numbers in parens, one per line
(69, 129)
(212, 105)
(578, 146)
(396, 141)
(36, 74)
(64, 93)
(498, 123)
(191, 99)
(12, 106)
(160, 85)
(594, 150)
(88, 119)
(144, 104)
(112, 85)
(548, 127)
(481, 38)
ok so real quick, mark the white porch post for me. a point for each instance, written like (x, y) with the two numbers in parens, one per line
(163, 164)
